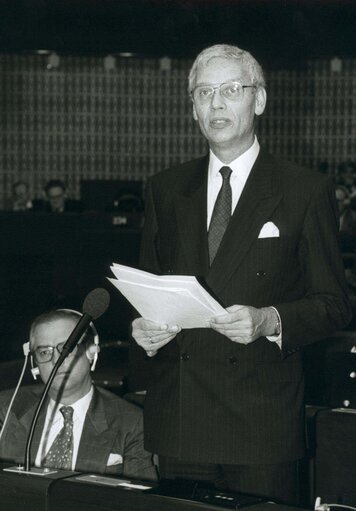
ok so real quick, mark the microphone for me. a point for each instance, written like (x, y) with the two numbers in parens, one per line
(95, 304)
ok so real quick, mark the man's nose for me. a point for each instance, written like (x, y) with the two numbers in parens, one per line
(217, 101)
(55, 356)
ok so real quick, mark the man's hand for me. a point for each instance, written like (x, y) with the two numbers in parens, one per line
(152, 336)
(245, 324)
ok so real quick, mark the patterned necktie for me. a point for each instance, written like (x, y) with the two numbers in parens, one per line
(221, 214)
(61, 451)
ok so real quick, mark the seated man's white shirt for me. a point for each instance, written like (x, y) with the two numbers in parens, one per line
(54, 423)
(241, 168)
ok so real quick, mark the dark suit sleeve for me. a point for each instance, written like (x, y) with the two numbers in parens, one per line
(325, 307)
(138, 462)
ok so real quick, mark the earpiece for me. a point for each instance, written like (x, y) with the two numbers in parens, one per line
(35, 371)
(26, 351)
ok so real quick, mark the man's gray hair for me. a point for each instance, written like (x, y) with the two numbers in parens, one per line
(230, 52)
(58, 314)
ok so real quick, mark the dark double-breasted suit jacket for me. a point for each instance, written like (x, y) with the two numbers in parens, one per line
(213, 400)
(111, 426)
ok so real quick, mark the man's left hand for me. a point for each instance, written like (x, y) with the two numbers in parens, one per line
(245, 324)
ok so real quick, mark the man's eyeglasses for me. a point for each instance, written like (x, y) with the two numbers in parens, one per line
(234, 91)
(44, 354)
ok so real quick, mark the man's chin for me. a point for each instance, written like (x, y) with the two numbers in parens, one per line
(220, 135)
(60, 380)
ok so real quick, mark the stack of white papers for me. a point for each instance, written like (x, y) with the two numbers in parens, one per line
(166, 299)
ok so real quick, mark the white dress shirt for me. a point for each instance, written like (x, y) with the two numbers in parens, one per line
(54, 423)
(241, 168)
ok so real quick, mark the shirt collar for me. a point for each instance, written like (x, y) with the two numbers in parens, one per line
(241, 166)
(80, 407)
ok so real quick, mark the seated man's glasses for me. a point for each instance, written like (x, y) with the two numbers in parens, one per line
(234, 91)
(44, 354)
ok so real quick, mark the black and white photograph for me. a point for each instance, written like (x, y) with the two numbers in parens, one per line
(177, 255)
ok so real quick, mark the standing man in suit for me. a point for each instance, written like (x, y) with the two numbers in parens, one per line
(226, 403)
(81, 427)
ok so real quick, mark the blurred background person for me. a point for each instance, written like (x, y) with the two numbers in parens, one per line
(347, 177)
(20, 199)
(347, 220)
(56, 200)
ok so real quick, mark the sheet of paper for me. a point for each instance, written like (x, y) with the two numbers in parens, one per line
(188, 281)
(168, 299)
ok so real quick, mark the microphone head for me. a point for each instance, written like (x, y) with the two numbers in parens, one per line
(96, 302)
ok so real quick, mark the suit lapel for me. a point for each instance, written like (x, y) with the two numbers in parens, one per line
(26, 420)
(257, 202)
(191, 214)
(97, 438)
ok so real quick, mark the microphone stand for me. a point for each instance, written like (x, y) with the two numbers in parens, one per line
(36, 415)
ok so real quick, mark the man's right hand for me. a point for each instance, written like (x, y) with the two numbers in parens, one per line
(152, 336)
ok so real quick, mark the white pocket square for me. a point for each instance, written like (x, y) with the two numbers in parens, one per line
(114, 459)
(269, 230)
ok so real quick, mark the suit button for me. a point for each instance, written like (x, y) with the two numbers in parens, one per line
(261, 273)
(233, 361)
(184, 356)
(169, 271)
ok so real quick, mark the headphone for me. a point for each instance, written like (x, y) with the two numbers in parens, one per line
(91, 352)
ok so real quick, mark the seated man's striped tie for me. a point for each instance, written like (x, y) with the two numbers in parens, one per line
(221, 214)
(61, 451)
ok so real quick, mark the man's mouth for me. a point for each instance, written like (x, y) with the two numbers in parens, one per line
(220, 123)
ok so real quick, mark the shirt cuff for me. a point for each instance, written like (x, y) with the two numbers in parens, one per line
(277, 338)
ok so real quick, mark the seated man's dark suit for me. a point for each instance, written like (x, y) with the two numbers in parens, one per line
(112, 426)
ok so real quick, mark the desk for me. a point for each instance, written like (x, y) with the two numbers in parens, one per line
(335, 460)
(64, 491)
(25, 492)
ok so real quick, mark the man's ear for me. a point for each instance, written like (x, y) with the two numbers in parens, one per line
(260, 100)
(195, 117)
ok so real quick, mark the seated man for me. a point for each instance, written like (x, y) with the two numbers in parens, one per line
(56, 200)
(81, 427)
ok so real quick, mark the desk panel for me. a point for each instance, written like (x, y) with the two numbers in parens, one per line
(21, 492)
(335, 460)
(65, 491)
(75, 495)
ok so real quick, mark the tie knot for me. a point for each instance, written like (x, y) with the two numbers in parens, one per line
(225, 172)
(67, 412)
